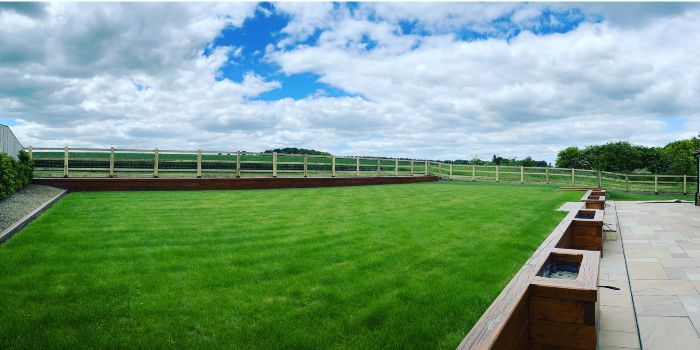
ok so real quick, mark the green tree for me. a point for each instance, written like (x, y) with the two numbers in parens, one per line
(620, 156)
(653, 160)
(680, 156)
(294, 150)
(571, 157)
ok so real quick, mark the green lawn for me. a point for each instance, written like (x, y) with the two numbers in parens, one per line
(618, 195)
(394, 266)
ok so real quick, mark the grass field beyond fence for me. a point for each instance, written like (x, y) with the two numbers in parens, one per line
(86, 162)
(394, 266)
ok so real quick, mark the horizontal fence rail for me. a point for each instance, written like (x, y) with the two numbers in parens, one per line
(88, 162)
(113, 162)
(651, 183)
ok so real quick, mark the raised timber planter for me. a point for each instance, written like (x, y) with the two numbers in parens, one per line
(587, 230)
(563, 301)
(536, 311)
(594, 199)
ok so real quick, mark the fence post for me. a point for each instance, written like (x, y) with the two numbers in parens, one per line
(199, 163)
(111, 162)
(332, 166)
(238, 163)
(573, 177)
(274, 164)
(396, 167)
(411, 167)
(600, 180)
(30, 152)
(450, 177)
(522, 175)
(546, 175)
(427, 172)
(498, 176)
(357, 166)
(685, 184)
(306, 165)
(155, 163)
(65, 162)
(473, 172)
(627, 182)
(656, 184)
(379, 167)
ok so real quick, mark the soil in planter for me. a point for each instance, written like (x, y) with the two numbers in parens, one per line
(585, 215)
(561, 270)
(564, 275)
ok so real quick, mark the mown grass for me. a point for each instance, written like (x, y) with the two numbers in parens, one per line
(618, 195)
(395, 266)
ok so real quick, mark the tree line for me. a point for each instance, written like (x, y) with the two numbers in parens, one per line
(676, 157)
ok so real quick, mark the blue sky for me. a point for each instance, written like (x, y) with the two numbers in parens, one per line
(423, 80)
(265, 28)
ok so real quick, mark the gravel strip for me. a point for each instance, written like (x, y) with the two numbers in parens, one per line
(23, 202)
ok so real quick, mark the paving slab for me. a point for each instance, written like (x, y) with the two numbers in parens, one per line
(662, 250)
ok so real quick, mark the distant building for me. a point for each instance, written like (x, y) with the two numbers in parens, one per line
(8, 142)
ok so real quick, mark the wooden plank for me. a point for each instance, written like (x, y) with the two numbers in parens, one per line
(274, 164)
(238, 163)
(144, 184)
(557, 310)
(333, 166)
(111, 162)
(199, 163)
(155, 163)
(562, 334)
(65, 162)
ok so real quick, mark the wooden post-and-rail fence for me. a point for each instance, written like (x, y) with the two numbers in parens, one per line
(112, 162)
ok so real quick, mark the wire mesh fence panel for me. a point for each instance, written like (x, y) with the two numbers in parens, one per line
(48, 162)
(536, 175)
(509, 173)
(87, 162)
(641, 183)
(219, 164)
(461, 171)
(485, 173)
(368, 167)
(256, 164)
(692, 184)
(320, 166)
(586, 178)
(134, 163)
(177, 163)
(561, 176)
(290, 165)
(345, 166)
(614, 181)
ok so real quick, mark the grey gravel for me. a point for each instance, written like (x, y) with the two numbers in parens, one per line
(24, 202)
(565, 275)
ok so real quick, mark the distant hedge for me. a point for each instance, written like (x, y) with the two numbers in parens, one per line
(15, 174)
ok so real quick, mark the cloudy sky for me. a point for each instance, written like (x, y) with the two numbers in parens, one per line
(417, 80)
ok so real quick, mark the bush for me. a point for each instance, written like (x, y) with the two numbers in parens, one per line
(15, 174)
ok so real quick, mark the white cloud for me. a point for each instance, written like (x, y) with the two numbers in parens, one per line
(135, 75)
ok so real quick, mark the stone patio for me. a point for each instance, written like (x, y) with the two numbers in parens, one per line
(660, 252)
